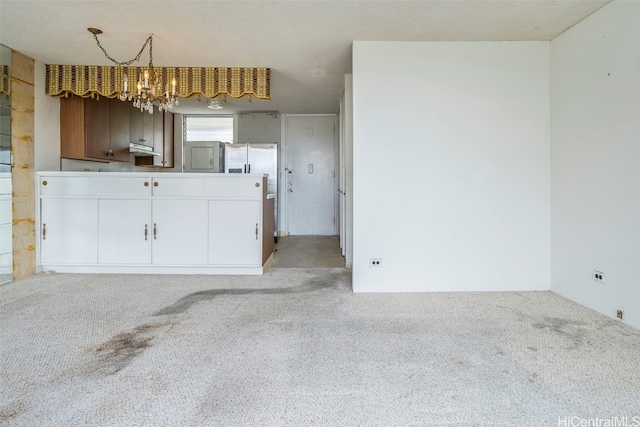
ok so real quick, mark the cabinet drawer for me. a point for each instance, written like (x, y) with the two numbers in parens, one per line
(122, 186)
(66, 186)
(178, 187)
(234, 188)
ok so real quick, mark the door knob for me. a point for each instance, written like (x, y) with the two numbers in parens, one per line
(290, 190)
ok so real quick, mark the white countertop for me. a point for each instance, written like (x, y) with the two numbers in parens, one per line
(156, 174)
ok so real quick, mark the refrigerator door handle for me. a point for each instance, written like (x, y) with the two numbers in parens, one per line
(249, 171)
(245, 168)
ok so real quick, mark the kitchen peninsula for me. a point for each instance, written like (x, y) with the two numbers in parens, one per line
(165, 223)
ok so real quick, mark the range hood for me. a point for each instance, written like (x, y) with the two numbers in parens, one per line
(142, 150)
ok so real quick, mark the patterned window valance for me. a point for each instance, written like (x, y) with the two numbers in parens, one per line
(5, 80)
(90, 81)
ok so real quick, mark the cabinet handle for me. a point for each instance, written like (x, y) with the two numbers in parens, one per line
(146, 232)
(155, 231)
(110, 153)
(256, 231)
(155, 184)
(146, 184)
(44, 182)
(44, 231)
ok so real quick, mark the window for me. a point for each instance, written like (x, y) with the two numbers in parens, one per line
(208, 128)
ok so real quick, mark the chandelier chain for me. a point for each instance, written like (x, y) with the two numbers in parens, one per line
(131, 61)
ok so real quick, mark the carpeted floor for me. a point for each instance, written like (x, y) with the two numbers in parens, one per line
(295, 347)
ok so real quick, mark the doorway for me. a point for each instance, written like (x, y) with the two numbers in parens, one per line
(309, 175)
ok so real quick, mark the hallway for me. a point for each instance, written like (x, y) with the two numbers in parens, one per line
(308, 252)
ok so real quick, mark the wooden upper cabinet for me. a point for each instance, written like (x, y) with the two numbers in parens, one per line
(141, 126)
(119, 130)
(90, 129)
(101, 130)
(84, 128)
(162, 142)
(167, 160)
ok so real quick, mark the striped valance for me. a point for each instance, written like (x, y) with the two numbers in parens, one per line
(90, 81)
(5, 80)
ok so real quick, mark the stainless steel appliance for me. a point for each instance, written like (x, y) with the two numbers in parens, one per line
(255, 158)
(204, 156)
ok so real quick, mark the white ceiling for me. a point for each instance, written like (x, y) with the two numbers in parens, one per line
(306, 43)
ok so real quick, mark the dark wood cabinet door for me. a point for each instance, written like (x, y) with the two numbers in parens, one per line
(162, 142)
(168, 141)
(141, 126)
(158, 130)
(97, 139)
(120, 129)
(72, 132)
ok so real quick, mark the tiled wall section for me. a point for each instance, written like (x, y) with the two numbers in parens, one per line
(22, 143)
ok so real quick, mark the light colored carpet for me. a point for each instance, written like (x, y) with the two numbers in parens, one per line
(295, 347)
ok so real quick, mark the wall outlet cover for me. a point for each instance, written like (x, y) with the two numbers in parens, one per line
(375, 262)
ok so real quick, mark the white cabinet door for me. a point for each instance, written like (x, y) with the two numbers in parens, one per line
(235, 232)
(124, 231)
(179, 229)
(68, 233)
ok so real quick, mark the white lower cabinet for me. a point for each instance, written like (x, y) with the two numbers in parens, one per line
(69, 231)
(164, 223)
(124, 231)
(179, 230)
(235, 232)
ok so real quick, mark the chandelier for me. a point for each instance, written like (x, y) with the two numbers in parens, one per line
(147, 91)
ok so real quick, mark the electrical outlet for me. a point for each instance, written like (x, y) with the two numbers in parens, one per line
(375, 262)
(598, 276)
(620, 314)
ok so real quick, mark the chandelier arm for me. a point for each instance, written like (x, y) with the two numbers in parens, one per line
(131, 61)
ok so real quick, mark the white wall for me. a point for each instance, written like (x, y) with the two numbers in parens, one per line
(348, 148)
(451, 166)
(46, 124)
(595, 161)
(258, 127)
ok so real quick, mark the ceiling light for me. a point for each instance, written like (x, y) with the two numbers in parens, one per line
(147, 92)
(215, 104)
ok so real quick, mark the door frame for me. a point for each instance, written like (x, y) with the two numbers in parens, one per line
(284, 208)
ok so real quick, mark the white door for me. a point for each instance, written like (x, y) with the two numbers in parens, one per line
(124, 231)
(179, 232)
(68, 231)
(309, 179)
(235, 232)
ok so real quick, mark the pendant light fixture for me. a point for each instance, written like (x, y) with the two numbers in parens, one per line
(147, 91)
